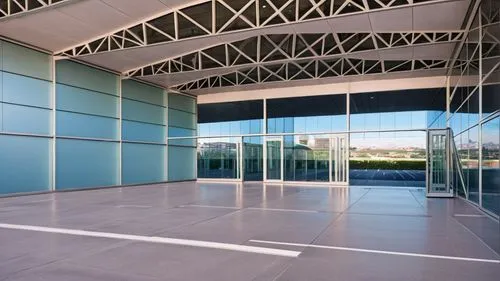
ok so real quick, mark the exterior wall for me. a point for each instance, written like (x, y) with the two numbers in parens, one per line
(474, 114)
(87, 127)
(66, 125)
(181, 123)
(25, 120)
(144, 133)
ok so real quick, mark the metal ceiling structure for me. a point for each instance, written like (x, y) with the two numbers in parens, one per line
(202, 46)
(10, 8)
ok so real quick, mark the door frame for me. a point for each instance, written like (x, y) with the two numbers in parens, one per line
(430, 164)
(334, 141)
(265, 159)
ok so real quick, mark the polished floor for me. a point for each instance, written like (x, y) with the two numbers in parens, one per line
(261, 232)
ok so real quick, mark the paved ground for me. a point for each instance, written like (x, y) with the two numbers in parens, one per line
(263, 232)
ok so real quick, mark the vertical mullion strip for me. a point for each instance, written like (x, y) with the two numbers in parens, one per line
(54, 126)
(448, 101)
(196, 139)
(120, 135)
(167, 109)
(348, 137)
(480, 126)
(214, 17)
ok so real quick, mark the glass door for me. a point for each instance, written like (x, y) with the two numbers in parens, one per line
(438, 164)
(339, 159)
(273, 170)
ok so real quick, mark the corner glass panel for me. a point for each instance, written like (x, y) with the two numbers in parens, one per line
(491, 165)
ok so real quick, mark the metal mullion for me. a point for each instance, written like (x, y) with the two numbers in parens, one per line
(480, 127)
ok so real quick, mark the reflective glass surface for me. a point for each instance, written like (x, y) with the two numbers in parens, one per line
(218, 158)
(253, 155)
(274, 159)
(491, 165)
(307, 157)
(390, 159)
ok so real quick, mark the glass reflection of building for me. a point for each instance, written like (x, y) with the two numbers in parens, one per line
(307, 127)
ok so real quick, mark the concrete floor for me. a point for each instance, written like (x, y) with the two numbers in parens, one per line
(337, 233)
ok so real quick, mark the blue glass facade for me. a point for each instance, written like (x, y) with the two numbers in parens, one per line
(86, 128)
(372, 122)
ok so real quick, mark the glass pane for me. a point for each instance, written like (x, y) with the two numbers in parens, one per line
(83, 164)
(388, 159)
(491, 165)
(273, 159)
(472, 164)
(253, 164)
(143, 163)
(184, 159)
(218, 158)
(25, 165)
(306, 158)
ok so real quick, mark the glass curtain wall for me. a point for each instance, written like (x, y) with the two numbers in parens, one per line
(26, 111)
(181, 123)
(475, 105)
(387, 136)
(397, 158)
(221, 149)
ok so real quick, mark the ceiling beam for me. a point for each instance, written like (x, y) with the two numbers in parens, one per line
(216, 17)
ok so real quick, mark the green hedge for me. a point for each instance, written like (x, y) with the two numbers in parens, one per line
(387, 164)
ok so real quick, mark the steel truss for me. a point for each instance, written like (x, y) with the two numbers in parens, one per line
(17, 7)
(286, 47)
(310, 69)
(216, 17)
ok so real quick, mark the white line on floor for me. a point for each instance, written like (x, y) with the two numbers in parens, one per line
(209, 206)
(283, 210)
(134, 206)
(162, 240)
(469, 215)
(377, 251)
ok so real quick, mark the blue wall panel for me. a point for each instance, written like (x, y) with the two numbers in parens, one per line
(181, 102)
(138, 91)
(23, 119)
(83, 164)
(139, 111)
(86, 126)
(20, 89)
(135, 131)
(85, 101)
(86, 77)
(143, 163)
(182, 161)
(25, 164)
(25, 61)
(181, 119)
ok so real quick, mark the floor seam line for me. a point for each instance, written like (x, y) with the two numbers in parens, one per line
(337, 218)
(477, 237)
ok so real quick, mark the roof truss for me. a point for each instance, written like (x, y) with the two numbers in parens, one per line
(216, 17)
(310, 69)
(269, 49)
(17, 7)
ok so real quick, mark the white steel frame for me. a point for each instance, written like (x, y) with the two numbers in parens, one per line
(268, 49)
(204, 18)
(18, 7)
(282, 156)
(310, 69)
(448, 192)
